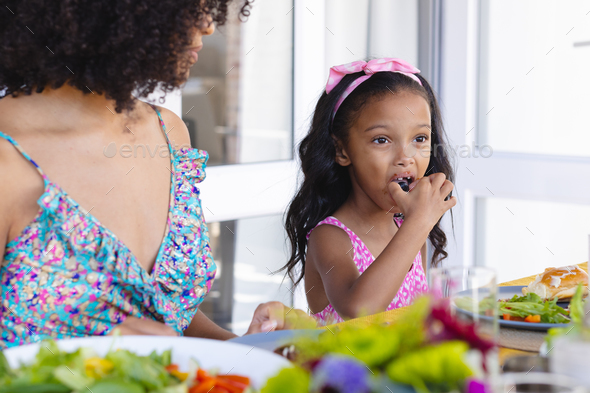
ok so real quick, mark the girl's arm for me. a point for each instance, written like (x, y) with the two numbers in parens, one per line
(202, 326)
(353, 294)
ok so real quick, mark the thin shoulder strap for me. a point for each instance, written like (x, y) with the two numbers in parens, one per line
(163, 126)
(357, 244)
(25, 155)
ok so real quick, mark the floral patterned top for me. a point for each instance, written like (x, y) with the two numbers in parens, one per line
(66, 275)
(413, 285)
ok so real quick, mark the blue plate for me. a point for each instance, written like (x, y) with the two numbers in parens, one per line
(275, 339)
(509, 292)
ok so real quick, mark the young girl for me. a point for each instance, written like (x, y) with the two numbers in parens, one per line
(374, 158)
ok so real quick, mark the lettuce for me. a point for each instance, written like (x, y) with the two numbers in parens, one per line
(118, 385)
(56, 371)
(144, 370)
(444, 369)
(577, 306)
(288, 380)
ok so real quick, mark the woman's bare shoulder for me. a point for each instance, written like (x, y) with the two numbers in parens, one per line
(5, 199)
(8, 166)
(175, 128)
(17, 176)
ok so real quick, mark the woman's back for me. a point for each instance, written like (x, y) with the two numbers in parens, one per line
(79, 257)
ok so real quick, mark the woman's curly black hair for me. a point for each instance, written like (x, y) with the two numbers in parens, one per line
(327, 185)
(111, 47)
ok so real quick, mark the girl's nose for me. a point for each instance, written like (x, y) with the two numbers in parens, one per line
(208, 27)
(405, 155)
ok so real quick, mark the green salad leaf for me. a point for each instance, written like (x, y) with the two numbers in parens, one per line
(445, 367)
(119, 385)
(549, 311)
(121, 371)
(144, 370)
(288, 380)
(577, 306)
(577, 316)
(519, 306)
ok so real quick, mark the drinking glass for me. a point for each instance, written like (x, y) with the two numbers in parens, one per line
(469, 294)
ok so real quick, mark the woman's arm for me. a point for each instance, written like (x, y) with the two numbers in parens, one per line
(202, 326)
(4, 222)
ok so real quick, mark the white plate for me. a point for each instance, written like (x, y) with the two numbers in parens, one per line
(257, 364)
(273, 340)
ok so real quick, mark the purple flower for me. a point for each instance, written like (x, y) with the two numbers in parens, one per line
(477, 386)
(340, 374)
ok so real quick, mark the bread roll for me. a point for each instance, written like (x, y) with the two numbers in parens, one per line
(560, 283)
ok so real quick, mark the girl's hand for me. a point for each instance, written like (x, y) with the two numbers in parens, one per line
(133, 326)
(276, 316)
(426, 201)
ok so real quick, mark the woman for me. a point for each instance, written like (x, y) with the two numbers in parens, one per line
(94, 238)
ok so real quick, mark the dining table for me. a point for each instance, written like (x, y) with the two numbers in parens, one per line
(507, 336)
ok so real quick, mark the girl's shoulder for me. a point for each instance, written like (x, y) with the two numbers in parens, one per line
(328, 238)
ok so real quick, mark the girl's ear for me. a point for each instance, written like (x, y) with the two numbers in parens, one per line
(342, 158)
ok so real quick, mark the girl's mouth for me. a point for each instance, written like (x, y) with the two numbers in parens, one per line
(404, 181)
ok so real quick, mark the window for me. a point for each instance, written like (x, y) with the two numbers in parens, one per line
(513, 79)
(534, 57)
(247, 253)
(238, 101)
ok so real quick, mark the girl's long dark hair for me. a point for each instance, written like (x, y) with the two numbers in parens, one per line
(326, 185)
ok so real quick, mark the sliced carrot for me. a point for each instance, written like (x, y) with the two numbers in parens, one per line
(202, 375)
(172, 367)
(533, 318)
(218, 389)
(236, 378)
(231, 386)
(203, 387)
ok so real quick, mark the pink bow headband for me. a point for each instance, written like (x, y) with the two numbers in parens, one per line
(377, 65)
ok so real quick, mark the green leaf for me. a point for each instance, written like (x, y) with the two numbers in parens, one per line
(577, 306)
(72, 378)
(118, 385)
(36, 388)
(141, 369)
(182, 388)
(164, 359)
(288, 380)
(444, 366)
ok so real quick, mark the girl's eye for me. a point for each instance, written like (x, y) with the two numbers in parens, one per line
(420, 139)
(380, 140)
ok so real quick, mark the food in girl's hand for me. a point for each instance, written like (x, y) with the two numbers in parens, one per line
(121, 371)
(558, 283)
(404, 182)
